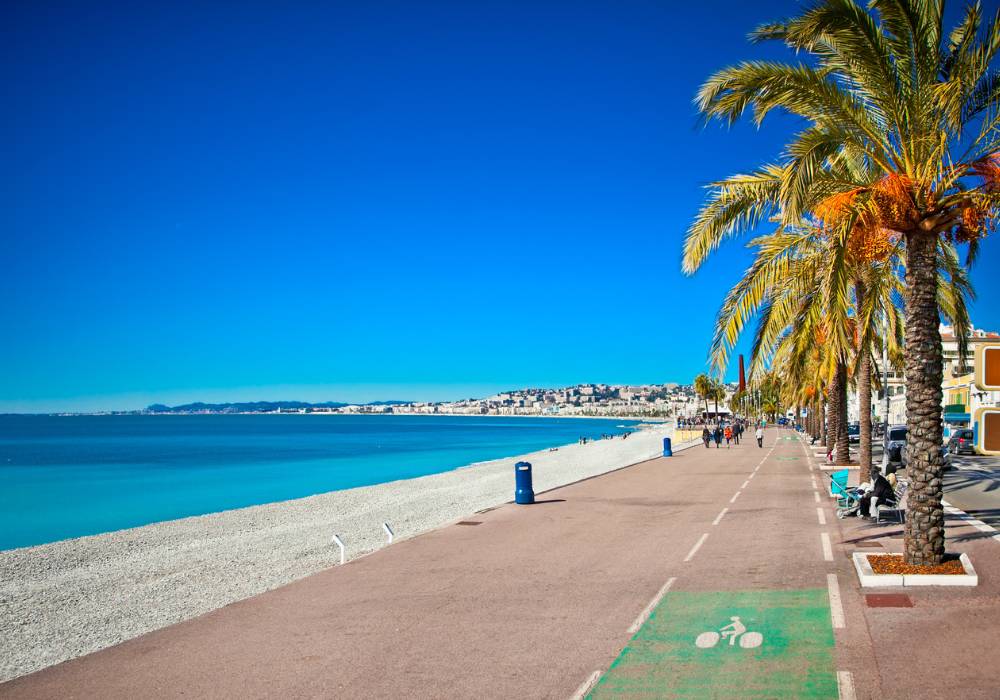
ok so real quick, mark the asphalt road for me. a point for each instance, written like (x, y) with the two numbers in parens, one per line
(974, 486)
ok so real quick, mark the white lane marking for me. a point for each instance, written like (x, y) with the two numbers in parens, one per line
(697, 546)
(812, 480)
(836, 608)
(821, 515)
(745, 484)
(845, 686)
(810, 467)
(648, 610)
(733, 499)
(974, 522)
(587, 686)
(816, 496)
(827, 548)
(718, 517)
(751, 475)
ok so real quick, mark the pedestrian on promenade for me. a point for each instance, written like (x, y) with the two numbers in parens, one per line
(737, 429)
(718, 437)
(706, 437)
(729, 436)
(760, 437)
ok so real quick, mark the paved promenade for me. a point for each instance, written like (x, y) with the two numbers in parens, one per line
(714, 573)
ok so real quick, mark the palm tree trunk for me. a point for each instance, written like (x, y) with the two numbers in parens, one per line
(824, 407)
(833, 413)
(841, 453)
(923, 542)
(864, 392)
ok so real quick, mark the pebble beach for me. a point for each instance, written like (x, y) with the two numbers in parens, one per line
(70, 598)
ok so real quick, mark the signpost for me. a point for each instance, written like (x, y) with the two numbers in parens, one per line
(987, 418)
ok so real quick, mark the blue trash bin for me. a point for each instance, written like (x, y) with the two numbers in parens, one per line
(523, 492)
(667, 451)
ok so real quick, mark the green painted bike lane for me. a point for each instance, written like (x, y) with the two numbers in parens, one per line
(779, 646)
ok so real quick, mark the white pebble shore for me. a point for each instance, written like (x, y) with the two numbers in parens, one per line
(65, 599)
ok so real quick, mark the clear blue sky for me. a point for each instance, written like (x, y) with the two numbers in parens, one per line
(362, 200)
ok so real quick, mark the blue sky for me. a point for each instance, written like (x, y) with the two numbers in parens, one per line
(361, 201)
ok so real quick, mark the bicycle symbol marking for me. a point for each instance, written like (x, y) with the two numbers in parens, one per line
(734, 630)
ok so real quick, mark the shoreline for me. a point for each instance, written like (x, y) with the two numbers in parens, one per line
(69, 598)
(641, 419)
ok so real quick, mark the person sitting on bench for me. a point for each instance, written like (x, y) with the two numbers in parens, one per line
(881, 489)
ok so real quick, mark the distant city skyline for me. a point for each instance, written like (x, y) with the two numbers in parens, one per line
(364, 201)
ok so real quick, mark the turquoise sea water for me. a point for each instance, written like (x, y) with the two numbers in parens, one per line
(68, 476)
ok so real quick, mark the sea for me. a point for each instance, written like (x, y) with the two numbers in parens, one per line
(69, 476)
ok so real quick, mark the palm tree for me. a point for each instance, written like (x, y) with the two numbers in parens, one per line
(889, 87)
(718, 394)
(703, 388)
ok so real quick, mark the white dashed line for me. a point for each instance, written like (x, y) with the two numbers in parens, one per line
(745, 484)
(821, 515)
(737, 495)
(845, 686)
(647, 611)
(587, 686)
(816, 496)
(827, 549)
(836, 608)
(718, 518)
(697, 546)
(751, 475)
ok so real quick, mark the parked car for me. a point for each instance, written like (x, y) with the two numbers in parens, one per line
(853, 432)
(962, 443)
(893, 442)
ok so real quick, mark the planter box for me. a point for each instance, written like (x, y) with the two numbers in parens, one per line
(869, 579)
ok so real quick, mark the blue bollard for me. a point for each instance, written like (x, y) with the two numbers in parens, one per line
(667, 451)
(523, 493)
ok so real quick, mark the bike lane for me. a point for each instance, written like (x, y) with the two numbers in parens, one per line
(750, 613)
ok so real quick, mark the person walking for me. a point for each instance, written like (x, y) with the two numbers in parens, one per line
(729, 435)
(706, 437)
(718, 437)
(737, 429)
(760, 436)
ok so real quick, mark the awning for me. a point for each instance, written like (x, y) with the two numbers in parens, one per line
(957, 417)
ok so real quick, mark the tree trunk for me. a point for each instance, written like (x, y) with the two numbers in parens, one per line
(824, 407)
(833, 413)
(841, 451)
(923, 542)
(864, 391)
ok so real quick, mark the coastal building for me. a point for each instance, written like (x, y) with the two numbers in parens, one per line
(960, 397)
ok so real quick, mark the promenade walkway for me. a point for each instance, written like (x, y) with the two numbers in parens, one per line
(628, 584)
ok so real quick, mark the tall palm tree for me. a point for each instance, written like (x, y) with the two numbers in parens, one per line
(718, 394)
(886, 85)
(703, 388)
